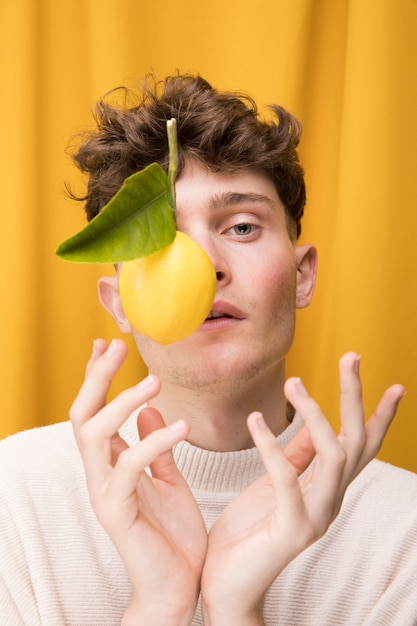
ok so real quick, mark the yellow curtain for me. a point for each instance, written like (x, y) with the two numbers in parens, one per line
(346, 68)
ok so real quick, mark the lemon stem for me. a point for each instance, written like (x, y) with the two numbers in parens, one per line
(173, 156)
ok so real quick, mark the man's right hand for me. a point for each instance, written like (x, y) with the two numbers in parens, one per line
(152, 518)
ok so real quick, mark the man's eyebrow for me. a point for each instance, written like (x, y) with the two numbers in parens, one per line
(230, 198)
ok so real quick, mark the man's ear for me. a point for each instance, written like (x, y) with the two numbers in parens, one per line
(108, 294)
(306, 274)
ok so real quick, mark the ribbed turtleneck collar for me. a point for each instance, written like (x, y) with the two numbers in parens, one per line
(224, 471)
(216, 472)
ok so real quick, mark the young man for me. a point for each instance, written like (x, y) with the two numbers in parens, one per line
(231, 511)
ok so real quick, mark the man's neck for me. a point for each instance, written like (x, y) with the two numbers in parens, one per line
(217, 415)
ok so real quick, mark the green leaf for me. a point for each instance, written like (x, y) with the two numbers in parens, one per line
(136, 222)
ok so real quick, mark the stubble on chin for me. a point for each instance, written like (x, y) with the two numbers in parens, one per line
(226, 376)
(225, 369)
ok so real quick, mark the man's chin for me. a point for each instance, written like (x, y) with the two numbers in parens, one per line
(201, 364)
(217, 376)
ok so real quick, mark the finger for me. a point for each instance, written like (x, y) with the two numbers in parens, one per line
(330, 455)
(282, 474)
(96, 437)
(300, 450)
(101, 371)
(163, 467)
(99, 347)
(149, 420)
(352, 432)
(378, 424)
(134, 460)
(106, 423)
(361, 440)
(322, 435)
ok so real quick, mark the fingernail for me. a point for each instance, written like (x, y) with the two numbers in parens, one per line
(357, 363)
(94, 352)
(111, 349)
(146, 382)
(301, 387)
(260, 422)
(176, 427)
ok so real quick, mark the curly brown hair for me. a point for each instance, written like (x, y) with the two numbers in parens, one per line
(221, 130)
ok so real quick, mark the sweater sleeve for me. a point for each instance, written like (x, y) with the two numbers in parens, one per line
(10, 611)
(398, 604)
(363, 572)
(22, 562)
(57, 565)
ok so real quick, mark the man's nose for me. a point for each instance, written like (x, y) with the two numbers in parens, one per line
(214, 250)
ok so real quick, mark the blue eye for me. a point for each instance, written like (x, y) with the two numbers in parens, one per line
(243, 229)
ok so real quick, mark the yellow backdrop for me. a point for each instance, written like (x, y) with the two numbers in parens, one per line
(346, 68)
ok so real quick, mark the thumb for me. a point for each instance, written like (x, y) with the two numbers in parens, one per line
(300, 451)
(163, 467)
(148, 421)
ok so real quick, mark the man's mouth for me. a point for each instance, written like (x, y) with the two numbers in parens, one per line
(224, 310)
(216, 314)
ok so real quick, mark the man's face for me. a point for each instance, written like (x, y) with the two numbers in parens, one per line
(240, 222)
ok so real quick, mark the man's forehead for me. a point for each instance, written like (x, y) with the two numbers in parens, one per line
(219, 190)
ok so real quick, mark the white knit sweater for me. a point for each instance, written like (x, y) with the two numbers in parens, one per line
(58, 568)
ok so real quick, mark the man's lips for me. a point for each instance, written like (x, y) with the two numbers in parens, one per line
(224, 309)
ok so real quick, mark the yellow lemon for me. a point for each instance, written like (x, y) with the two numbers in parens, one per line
(168, 294)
